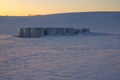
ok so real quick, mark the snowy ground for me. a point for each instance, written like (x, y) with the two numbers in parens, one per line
(60, 58)
(80, 57)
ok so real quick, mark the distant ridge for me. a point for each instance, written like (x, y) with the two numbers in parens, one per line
(64, 13)
(83, 12)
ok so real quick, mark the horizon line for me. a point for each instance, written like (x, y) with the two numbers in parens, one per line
(57, 13)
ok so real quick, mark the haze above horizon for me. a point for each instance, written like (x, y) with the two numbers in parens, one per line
(41, 7)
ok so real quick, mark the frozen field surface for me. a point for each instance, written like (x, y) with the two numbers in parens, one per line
(60, 58)
(93, 56)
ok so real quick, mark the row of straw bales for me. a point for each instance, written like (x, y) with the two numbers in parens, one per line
(39, 32)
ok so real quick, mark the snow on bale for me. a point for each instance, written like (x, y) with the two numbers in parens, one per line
(39, 32)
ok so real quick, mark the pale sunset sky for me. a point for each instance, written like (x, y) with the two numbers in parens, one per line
(33, 7)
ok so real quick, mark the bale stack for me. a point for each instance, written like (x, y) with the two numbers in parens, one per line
(51, 31)
(21, 32)
(39, 32)
(85, 30)
(27, 32)
(70, 31)
(61, 31)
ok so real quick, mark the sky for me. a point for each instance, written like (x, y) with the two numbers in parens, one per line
(34, 7)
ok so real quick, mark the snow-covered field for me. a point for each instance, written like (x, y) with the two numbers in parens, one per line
(93, 56)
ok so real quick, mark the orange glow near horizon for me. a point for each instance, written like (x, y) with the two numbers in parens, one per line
(34, 7)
